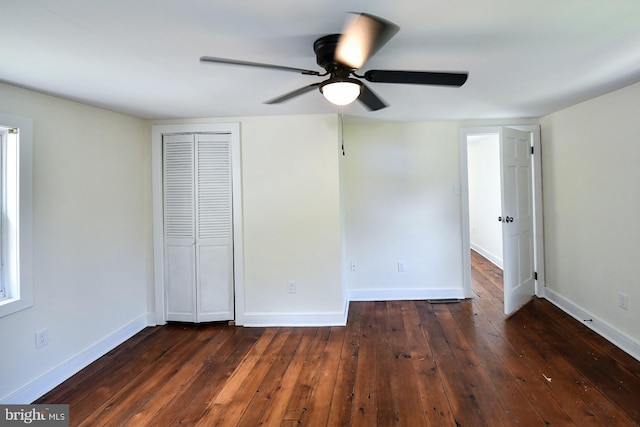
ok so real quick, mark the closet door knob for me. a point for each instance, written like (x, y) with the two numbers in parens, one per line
(500, 219)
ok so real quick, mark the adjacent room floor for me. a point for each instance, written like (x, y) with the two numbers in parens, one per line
(409, 363)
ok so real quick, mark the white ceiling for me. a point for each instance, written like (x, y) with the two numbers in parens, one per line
(525, 58)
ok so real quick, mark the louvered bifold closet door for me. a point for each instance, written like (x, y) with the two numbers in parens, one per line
(214, 231)
(179, 227)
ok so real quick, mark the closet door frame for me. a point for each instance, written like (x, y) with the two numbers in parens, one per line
(157, 131)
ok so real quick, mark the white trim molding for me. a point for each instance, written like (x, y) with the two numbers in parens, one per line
(20, 232)
(67, 369)
(537, 201)
(158, 236)
(404, 294)
(294, 319)
(495, 259)
(616, 337)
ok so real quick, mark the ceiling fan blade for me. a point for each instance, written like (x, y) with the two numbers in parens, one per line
(292, 94)
(363, 36)
(257, 64)
(370, 99)
(417, 77)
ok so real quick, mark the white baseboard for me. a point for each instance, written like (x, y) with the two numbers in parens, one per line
(616, 337)
(67, 369)
(340, 319)
(295, 319)
(404, 294)
(496, 260)
(152, 320)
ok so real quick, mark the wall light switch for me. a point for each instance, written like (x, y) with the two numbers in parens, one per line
(354, 266)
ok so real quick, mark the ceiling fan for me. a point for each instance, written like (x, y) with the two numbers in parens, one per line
(341, 55)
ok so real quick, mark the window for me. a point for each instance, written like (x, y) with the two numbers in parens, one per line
(16, 142)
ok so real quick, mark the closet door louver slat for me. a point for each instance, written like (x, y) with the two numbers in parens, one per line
(214, 189)
(178, 188)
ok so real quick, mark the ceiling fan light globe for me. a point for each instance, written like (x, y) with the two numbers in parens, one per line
(341, 92)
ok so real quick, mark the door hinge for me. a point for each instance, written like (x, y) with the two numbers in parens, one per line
(535, 275)
(531, 149)
(12, 131)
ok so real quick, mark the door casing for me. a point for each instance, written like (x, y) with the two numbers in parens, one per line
(157, 209)
(537, 203)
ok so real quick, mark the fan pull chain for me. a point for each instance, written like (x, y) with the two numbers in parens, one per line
(342, 129)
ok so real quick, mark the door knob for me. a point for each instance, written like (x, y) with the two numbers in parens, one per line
(509, 219)
(500, 219)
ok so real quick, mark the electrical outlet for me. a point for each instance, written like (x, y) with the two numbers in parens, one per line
(354, 266)
(623, 301)
(402, 267)
(42, 338)
(291, 287)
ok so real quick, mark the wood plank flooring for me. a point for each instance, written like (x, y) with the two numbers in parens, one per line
(404, 363)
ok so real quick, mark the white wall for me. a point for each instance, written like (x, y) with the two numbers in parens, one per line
(291, 199)
(591, 179)
(483, 158)
(401, 205)
(291, 219)
(92, 222)
(91, 237)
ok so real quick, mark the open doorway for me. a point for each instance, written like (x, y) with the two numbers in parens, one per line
(502, 208)
(484, 186)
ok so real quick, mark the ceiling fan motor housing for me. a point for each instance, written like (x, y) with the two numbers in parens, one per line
(325, 48)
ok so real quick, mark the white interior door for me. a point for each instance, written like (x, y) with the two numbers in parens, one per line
(179, 227)
(198, 227)
(517, 218)
(214, 242)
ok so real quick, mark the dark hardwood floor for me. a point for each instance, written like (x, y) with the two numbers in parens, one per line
(409, 363)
